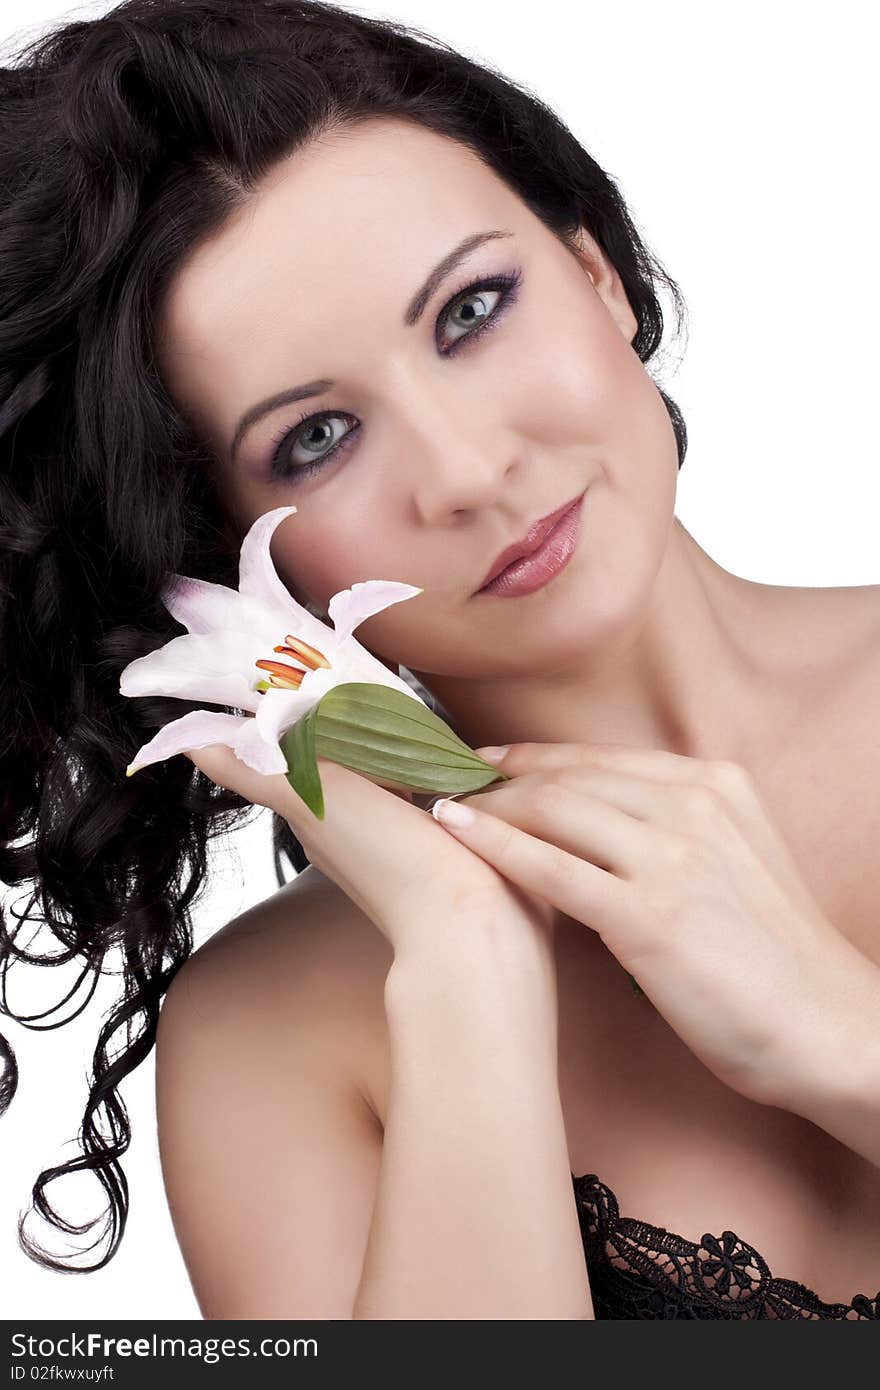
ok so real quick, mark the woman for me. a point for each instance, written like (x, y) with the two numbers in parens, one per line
(438, 1080)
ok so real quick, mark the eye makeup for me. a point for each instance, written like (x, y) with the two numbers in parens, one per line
(280, 468)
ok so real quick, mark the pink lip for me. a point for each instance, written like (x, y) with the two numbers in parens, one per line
(543, 552)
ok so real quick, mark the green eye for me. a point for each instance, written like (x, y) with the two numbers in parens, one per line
(477, 307)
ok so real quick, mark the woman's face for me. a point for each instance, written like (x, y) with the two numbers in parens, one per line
(429, 443)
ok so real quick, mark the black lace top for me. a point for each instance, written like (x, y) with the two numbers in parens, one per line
(641, 1271)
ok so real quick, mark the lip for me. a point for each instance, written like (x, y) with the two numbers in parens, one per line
(544, 550)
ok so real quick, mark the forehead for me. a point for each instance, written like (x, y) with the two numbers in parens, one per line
(374, 203)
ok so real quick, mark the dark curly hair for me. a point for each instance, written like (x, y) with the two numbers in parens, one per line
(124, 141)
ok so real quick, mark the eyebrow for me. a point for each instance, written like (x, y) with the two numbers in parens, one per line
(413, 312)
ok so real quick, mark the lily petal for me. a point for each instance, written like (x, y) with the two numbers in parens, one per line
(253, 749)
(198, 729)
(212, 668)
(350, 607)
(279, 709)
(355, 663)
(202, 607)
(258, 579)
(228, 631)
(257, 576)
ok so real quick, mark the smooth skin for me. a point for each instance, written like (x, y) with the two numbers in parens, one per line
(277, 1223)
(642, 641)
(677, 865)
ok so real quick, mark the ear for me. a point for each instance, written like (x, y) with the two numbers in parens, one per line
(606, 282)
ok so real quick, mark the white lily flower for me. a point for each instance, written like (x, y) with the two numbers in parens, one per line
(232, 636)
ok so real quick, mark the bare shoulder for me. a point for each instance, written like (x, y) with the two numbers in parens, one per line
(828, 641)
(837, 625)
(868, 610)
(822, 644)
(306, 957)
(851, 627)
(857, 609)
(269, 1144)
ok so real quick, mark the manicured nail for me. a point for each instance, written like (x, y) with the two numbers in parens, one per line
(493, 754)
(452, 812)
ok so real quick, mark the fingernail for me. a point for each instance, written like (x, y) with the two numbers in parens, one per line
(493, 754)
(452, 812)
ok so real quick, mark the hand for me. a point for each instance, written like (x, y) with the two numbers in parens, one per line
(675, 863)
(426, 893)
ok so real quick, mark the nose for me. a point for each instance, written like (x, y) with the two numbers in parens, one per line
(456, 457)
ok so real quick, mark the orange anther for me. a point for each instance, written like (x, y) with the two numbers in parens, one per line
(281, 674)
(309, 656)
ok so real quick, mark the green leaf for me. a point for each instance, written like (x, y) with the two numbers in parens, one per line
(385, 734)
(298, 746)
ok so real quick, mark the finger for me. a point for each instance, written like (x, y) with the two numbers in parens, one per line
(576, 886)
(733, 788)
(639, 797)
(657, 763)
(273, 790)
(399, 789)
(534, 802)
(218, 762)
(730, 783)
(616, 832)
(370, 842)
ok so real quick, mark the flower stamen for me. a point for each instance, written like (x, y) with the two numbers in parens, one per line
(290, 677)
(309, 656)
(282, 675)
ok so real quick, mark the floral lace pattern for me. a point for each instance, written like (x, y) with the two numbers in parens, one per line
(642, 1271)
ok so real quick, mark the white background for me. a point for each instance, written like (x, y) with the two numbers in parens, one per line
(742, 137)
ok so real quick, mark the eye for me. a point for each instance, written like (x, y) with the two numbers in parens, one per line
(315, 444)
(478, 306)
(474, 310)
(470, 311)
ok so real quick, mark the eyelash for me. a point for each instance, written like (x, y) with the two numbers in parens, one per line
(508, 283)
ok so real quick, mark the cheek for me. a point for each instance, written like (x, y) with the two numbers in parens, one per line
(581, 383)
(594, 391)
(328, 559)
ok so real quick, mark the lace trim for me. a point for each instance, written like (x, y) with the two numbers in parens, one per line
(642, 1271)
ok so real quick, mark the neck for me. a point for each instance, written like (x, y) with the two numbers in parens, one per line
(697, 672)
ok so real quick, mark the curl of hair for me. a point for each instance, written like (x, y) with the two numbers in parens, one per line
(124, 141)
